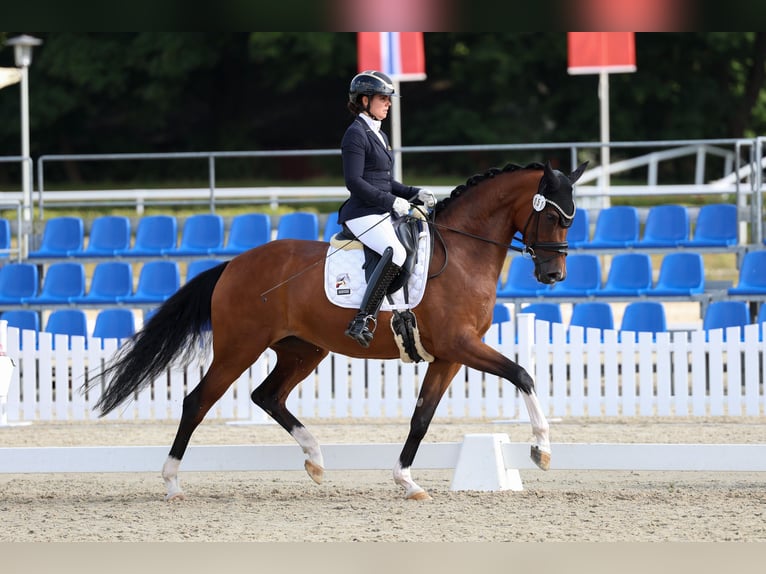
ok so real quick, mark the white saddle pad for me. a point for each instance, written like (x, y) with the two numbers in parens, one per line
(345, 282)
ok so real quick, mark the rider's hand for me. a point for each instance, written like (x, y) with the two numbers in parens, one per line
(401, 207)
(427, 197)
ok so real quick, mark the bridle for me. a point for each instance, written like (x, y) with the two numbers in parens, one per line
(539, 203)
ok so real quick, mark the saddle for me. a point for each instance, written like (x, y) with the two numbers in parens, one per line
(407, 230)
(403, 321)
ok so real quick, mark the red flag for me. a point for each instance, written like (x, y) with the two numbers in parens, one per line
(400, 55)
(594, 52)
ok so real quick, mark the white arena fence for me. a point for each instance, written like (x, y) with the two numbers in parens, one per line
(675, 374)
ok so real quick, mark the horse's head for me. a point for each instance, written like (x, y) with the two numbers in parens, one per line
(551, 214)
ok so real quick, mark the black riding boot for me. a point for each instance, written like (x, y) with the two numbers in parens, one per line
(385, 272)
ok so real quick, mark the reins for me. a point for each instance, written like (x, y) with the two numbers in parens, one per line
(556, 247)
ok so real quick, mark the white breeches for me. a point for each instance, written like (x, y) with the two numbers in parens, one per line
(377, 233)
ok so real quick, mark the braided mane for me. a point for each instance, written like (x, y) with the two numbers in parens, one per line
(478, 178)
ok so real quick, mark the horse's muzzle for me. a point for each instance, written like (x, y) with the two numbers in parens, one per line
(549, 274)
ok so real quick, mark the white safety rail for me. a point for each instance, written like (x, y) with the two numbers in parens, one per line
(678, 374)
(483, 462)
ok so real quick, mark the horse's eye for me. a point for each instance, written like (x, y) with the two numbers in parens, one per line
(552, 218)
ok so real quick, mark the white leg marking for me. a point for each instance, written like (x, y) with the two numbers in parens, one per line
(309, 445)
(170, 476)
(540, 426)
(403, 478)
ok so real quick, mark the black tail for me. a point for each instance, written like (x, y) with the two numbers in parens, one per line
(176, 328)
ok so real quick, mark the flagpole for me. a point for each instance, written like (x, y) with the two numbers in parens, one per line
(396, 132)
(603, 93)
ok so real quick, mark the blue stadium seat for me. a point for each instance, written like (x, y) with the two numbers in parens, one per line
(157, 281)
(248, 230)
(583, 277)
(723, 314)
(24, 320)
(72, 322)
(500, 313)
(111, 282)
(616, 226)
(62, 237)
(63, 282)
(202, 234)
(331, 227)
(681, 273)
(666, 226)
(716, 226)
(109, 235)
(644, 316)
(114, 324)
(752, 275)
(155, 235)
(521, 281)
(592, 314)
(550, 312)
(199, 265)
(5, 238)
(579, 234)
(298, 225)
(18, 281)
(630, 274)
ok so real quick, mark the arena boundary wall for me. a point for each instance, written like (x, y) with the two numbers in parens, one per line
(482, 462)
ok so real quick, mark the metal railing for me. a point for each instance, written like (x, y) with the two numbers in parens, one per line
(737, 175)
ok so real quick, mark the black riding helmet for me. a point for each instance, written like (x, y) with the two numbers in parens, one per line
(369, 83)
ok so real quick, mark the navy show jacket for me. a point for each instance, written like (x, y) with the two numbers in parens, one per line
(368, 173)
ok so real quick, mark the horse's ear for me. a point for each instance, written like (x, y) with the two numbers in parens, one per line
(550, 176)
(575, 175)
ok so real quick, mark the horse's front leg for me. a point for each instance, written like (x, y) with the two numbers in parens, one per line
(435, 382)
(476, 354)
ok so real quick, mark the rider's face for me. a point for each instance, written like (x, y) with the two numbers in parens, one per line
(379, 105)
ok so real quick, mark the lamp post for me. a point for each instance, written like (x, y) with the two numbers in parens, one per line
(22, 51)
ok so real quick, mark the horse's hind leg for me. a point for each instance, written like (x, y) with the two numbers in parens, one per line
(296, 359)
(195, 406)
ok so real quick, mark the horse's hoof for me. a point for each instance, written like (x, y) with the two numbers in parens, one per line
(176, 496)
(315, 471)
(541, 458)
(419, 495)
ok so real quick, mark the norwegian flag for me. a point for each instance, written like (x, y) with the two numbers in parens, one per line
(399, 55)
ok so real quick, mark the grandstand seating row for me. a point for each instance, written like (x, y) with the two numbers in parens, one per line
(112, 283)
(112, 323)
(667, 226)
(681, 274)
(630, 275)
(639, 316)
(157, 235)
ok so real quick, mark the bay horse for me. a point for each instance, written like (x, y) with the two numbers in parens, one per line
(272, 297)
